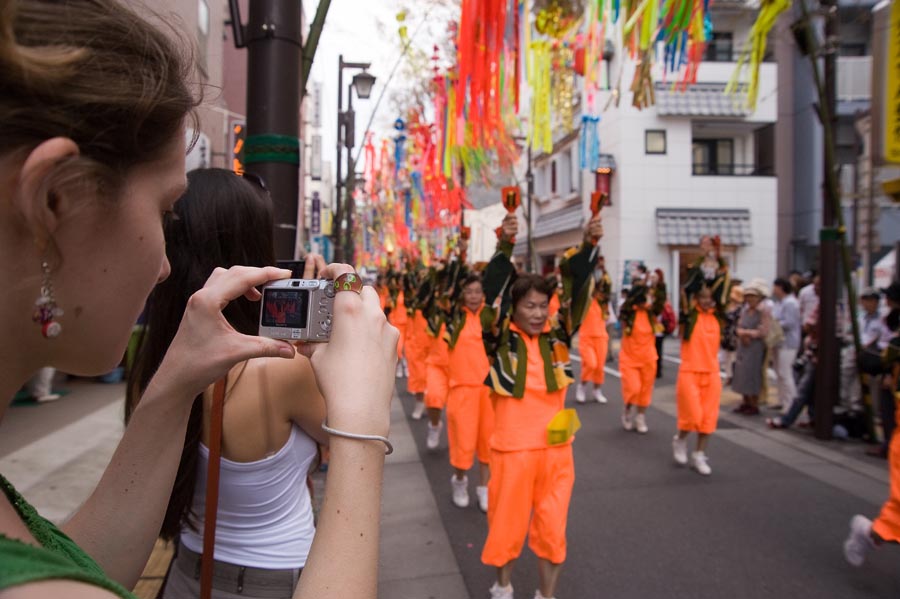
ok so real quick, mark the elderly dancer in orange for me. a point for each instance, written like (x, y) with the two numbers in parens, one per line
(593, 338)
(637, 357)
(470, 415)
(532, 469)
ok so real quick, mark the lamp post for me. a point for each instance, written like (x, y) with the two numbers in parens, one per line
(363, 83)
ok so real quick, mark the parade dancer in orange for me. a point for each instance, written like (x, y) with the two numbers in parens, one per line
(398, 317)
(470, 415)
(593, 338)
(532, 469)
(704, 300)
(437, 362)
(866, 535)
(638, 357)
(417, 343)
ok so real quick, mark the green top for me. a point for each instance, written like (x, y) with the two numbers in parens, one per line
(58, 557)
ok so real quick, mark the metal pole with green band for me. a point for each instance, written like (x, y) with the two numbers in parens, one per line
(272, 147)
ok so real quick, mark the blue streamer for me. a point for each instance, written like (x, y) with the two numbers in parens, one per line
(590, 143)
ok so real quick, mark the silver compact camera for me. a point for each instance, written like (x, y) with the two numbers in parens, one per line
(297, 310)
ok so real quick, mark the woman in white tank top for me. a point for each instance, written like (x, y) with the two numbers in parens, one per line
(273, 408)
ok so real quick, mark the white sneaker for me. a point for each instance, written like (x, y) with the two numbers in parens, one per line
(498, 592)
(398, 372)
(859, 542)
(640, 423)
(680, 451)
(405, 368)
(627, 421)
(434, 436)
(48, 397)
(580, 395)
(598, 395)
(537, 595)
(699, 463)
(418, 411)
(482, 493)
(460, 492)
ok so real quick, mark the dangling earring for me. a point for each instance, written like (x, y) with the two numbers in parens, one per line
(45, 308)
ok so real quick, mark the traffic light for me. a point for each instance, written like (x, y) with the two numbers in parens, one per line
(238, 133)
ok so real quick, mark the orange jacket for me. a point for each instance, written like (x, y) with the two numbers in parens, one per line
(639, 348)
(469, 363)
(521, 424)
(700, 353)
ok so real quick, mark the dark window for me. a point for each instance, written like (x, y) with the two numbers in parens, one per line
(764, 148)
(720, 48)
(655, 141)
(553, 177)
(713, 157)
(852, 49)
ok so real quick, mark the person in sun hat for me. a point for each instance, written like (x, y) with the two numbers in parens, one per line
(752, 329)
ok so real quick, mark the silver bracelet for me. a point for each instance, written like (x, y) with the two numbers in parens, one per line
(389, 449)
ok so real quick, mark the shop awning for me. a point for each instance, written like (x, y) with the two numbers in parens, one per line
(685, 226)
(701, 99)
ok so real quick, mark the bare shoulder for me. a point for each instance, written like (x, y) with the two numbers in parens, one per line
(56, 588)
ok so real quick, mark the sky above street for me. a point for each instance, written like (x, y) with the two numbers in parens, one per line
(367, 31)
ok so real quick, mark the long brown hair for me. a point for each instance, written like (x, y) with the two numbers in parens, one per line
(222, 220)
(97, 73)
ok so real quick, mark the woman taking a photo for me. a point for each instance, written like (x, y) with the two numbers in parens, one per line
(272, 416)
(92, 162)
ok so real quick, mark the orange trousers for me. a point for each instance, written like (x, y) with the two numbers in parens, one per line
(470, 424)
(529, 493)
(437, 385)
(698, 395)
(593, 358)
(416, 353)
(637, 383)
(887, 525)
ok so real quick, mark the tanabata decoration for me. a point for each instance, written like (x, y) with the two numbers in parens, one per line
(590, 143)
(753, 55)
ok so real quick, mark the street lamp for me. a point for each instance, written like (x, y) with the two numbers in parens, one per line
(363, 83)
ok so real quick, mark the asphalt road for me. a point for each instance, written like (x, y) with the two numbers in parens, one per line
(642, 527)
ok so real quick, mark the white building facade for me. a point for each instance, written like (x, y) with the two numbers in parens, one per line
(697, 162)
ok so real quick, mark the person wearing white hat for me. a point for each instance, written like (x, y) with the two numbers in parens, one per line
(753, 327)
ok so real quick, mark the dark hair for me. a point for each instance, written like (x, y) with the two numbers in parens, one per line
(642, 268)
(525, 283)
(222, 220)
(892, 320)
(785, 285)
(472, 277)
(98, 73)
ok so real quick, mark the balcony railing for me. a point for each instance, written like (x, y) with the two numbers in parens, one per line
(731, 170)
(854, 78)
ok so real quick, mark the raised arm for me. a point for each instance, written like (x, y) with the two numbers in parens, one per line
(119, 523)
(497, 278)
(577, 268)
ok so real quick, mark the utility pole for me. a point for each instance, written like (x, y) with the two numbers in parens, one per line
(828, 366)
(275, 52)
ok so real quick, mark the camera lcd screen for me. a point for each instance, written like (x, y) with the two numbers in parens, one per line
(285, 308)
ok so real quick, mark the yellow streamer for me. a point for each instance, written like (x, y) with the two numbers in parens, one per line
(752, 57)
